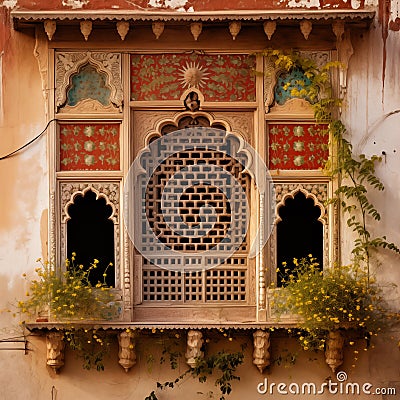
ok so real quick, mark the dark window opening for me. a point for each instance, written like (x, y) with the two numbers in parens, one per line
(299, 233)
(90, 234)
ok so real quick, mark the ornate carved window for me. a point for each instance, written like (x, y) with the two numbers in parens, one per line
(201, 274)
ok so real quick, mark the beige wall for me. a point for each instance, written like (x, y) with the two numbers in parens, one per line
(23, 235)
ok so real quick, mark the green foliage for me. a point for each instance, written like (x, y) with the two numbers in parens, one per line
(91, 345)
(358, 176)
(356, 173)
(68, 295)
(342, 297)
(224, 362)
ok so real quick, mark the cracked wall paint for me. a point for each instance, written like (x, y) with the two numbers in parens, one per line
(75, 3)
(304, 3)
(178, 5)
(9, 3)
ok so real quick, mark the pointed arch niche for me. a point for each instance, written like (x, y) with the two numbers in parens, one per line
(90, 227)
(88, 82)
(301, 226)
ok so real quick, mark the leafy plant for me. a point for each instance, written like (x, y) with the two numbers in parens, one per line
(342, 297)
(224, 362)
(356, 173)
(352, 194)
(68, 295)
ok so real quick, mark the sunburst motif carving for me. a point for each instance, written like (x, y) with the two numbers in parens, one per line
(193, 75)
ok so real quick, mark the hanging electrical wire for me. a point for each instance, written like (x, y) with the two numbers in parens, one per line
(30, 142)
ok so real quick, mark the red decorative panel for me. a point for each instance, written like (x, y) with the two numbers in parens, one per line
(167, 76)
(91, 147)
(298, 145)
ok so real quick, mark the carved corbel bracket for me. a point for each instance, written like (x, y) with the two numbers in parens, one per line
(86, 28)
(123, 29)
(195, 29)
(261, 355)
(194, 347)
(234, 28)
(306, 28)
(127, 351)
(345, 51)
(158, 29)
(50, 27)
(269, 28)
(334, 349)
(55, 350)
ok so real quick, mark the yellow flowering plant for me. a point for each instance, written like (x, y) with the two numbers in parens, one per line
(344, 297)
(68, 294)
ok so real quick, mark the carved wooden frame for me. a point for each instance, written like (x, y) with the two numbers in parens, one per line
(318, 192)
(69, 63)
(110, 192)
(149, 125)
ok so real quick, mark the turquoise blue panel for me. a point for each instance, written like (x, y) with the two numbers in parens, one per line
(287, 82)
(88, 83)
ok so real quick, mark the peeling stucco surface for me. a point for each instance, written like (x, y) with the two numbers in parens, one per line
(75, 4)
(9, 3)
(178, 5)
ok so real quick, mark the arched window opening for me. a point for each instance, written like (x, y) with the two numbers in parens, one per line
(299, 233)
(90, 234)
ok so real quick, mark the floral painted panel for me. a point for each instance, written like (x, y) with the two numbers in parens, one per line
(167, 76)
(91, 147)
(298, 145)
(88, 83)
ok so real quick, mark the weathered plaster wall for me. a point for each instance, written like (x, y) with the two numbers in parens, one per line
(23, 200)
(373, 121)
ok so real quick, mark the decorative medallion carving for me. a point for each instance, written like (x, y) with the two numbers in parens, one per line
(69, 64)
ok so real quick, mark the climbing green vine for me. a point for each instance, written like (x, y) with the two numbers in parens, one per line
(356, 173)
